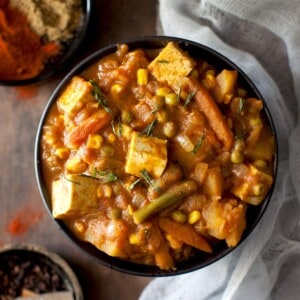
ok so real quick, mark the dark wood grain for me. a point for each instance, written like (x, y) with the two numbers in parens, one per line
(20, 201)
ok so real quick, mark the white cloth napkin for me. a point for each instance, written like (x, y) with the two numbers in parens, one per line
(263, 38)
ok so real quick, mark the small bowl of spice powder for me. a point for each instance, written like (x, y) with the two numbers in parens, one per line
(37, 38)
(30, 271)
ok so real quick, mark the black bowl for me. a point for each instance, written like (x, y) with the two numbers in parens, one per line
(70, 47)
(200, 260)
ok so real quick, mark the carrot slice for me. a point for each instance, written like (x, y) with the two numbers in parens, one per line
(92, 124)
(185, 233)
(213, 114)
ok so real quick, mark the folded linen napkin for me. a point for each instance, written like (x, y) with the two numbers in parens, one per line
(263, 38)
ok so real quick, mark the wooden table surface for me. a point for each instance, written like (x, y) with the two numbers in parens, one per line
(23, 217)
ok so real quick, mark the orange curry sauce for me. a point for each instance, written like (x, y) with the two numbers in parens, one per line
(153, 155)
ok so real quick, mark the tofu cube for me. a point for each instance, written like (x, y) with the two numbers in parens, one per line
(146, 153)
(78, 92)
(74, 194)
(171, 64)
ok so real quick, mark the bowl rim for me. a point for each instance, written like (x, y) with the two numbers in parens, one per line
(64, 268)
(126, 266)
(71, 48)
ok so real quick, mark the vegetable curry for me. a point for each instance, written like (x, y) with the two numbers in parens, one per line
(154, 155)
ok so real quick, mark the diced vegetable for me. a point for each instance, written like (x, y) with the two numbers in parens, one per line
(79, 133)
(185, 233)
(225, 220)
(245, 189)
(226, 82)
(213, 183)
(173, 195)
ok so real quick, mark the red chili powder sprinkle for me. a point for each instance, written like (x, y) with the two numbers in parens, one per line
(24, 220)
(26, 92)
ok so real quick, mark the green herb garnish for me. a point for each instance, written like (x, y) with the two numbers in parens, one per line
(149, 128)
(189, 98)
(117, 131)
(163, 61)
(134, 183)
(106, 176)
(198, 145)
(241, 106)
(73, 181)
(99, 96)
(146, 176)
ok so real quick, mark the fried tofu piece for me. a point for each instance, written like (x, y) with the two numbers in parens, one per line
(171, 64)
(146, 153)
(78, 92)
(74, 194)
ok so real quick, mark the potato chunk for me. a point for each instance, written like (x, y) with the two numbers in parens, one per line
(74, 194)
(146, 153)
(78, 92)
(171, 64)
(225, 219)
(253, 186)
(226, 81)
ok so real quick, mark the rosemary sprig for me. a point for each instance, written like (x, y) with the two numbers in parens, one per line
(149, 128)
(163, 61)
(146, 176)
(134, 183)
(189, 98)
(241, 106)
(106, 176)
(198, 145)
(117, 131)
(99, 96)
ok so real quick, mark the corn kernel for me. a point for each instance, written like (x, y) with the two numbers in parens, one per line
(194, 217)
(111, 138)
(258, 189)
(260, 163)
(162, 116)
(76, 165)
(126, 131)
(117, 90)
(172, 99)
(142, 76)
(210, 73)
(105, 191)
(134, 239)
(94, 141)
(130, 210)
(80, 226)
(62, 153)
(163, 91)
(179, 216)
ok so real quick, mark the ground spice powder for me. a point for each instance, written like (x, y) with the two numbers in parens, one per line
(22, 55)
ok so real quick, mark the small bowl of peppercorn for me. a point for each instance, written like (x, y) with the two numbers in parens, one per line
(29, 270)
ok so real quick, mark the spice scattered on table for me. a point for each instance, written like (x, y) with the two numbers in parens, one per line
(24, 219)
